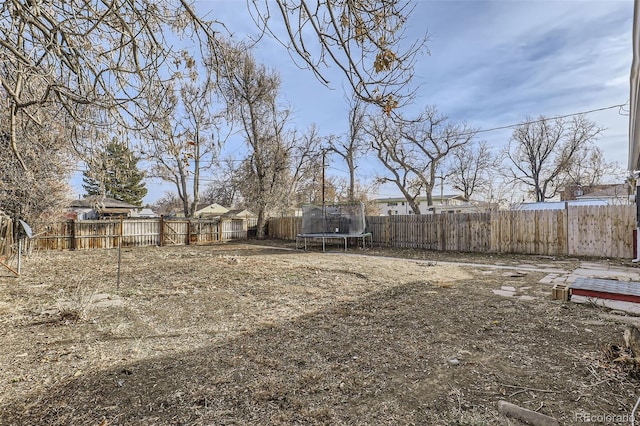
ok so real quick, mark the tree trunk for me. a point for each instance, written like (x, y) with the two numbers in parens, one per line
(262, 220)
(352, 177)
(430, 196)
(196, 174)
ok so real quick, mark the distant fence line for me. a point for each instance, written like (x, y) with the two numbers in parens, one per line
(599, 231)
(90, 234)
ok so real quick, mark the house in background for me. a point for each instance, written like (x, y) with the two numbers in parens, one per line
(558, 205)
(239, 214)
(441, 204)
(205, 211)
(95, 207)
(612, 194)
(578, 196)
(209, 210)
(144, 213)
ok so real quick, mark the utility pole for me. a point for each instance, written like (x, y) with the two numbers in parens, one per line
(442, 177)
(324, 207)
(324, 154)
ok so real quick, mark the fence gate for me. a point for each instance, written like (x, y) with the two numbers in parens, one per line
(175, 232)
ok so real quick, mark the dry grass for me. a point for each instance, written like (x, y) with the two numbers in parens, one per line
(239, 334)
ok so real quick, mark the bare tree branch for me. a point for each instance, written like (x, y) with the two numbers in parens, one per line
(469, 168)
(363, 39)
(542, 152)
(350, 146)
(94, 59)
(418, 148)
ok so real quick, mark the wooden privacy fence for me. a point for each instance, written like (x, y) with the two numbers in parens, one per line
(600, 231)
(89, 234)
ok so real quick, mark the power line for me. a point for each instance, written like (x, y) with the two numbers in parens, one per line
(337, 169)
(540, 120)
(492, 129)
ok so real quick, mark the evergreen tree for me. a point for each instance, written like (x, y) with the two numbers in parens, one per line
(114, 173)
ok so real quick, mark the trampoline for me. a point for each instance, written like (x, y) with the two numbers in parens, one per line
(336, 221)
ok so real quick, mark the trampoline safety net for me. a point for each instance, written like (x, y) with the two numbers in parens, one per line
(343, 218)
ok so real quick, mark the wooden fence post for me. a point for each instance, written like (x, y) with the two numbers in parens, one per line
(566, 232)
(387, 231)
(161, 236)
(72, 234)
(120, 232)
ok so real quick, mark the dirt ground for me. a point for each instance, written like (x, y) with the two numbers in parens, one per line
(246, 334)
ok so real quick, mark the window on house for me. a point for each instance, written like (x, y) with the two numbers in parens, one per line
(391, 204)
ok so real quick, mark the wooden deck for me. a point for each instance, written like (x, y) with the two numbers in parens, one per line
(626, 291)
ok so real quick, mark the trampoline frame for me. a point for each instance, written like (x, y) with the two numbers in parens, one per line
(328, 236)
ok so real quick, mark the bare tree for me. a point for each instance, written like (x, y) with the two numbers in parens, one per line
(94, 60)
(589, 168)
(184, 142)
(224, 186)
(499, 192)
(413, 151)
(312, 189)
(101, 61)
(469, 168)
(306, 164)
(279, 159)
(43, 193)
(388, 146)
(350, 146)
(252, 94)
(342, 188)
(263, 182)
(363, 39)
(542, 152)
(168, 205)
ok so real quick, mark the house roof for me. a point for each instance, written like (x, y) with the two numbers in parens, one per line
(106, 203)
(146, 212)
(213, 208)
(421, 199)
(239, 213)
(559, 205)
(612, 191)
(115, 210)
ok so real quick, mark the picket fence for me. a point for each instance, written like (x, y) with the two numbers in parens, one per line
(90, 234)
(598, 231)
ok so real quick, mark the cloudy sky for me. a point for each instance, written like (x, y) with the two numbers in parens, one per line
(490, 63)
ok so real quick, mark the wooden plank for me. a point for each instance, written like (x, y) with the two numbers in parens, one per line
(605, 295)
